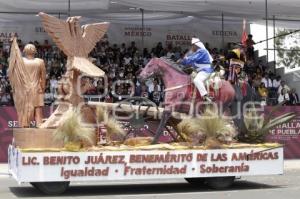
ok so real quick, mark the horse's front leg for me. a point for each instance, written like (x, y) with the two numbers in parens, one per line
(165, 117)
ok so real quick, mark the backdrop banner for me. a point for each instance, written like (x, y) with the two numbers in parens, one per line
(177, 35)
(8, 117)
(287, 133)
(118, 33)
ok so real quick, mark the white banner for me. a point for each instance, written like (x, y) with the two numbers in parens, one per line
(25, 32)
(125, 165)
(178, 35)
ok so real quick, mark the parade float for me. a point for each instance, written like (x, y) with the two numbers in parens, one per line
(82, 141)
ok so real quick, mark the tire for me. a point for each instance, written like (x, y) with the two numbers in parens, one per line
(196, 181)
(51, 188)
(33, 184)
(220, 183)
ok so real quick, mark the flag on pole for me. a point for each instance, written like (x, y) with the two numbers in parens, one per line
(244, 34)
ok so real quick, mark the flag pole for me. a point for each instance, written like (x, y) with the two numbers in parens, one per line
(223, 42)
(267, 31)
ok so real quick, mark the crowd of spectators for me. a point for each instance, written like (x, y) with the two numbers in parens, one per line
(121, 64)
(5, 88)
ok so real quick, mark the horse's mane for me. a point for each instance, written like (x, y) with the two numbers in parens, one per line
(173, 64)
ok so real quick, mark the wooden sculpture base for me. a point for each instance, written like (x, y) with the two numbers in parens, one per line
(35, 138)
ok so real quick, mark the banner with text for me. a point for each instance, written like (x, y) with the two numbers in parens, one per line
(125, 165)
(288, 133)
(177, 35)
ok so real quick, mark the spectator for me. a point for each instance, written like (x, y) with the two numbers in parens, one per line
(127, 59)
(256, 81)
(46, 45)
(266, 80)
(49, 97)
(123, 49)
(156, 96)
(2, 70)
(132, 49)
(283, 97)
(3, 84)
(53, 84)
(250, 47)
(276, 82)
(158, 50)
(263, 93)
(261, 66)
(294, 98)
(144, 92)
(118, 94)
(138, 88)
(283, 86)
(170, 54)
(152, 85)
(177, 52)
(170, 51)
(5, 99)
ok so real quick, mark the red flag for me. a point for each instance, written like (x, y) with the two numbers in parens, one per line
(244, 34)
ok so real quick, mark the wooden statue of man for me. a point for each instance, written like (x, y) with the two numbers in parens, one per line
(37, 74)
(28, 78)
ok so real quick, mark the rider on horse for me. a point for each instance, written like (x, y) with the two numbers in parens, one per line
(200, 60)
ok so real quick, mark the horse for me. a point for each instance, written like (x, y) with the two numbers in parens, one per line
(179, 87)
(180, 92)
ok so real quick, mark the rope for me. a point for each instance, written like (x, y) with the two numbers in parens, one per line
(176, 87)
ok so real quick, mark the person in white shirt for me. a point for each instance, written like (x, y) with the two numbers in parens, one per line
(283, 97)
(53, 84)
(170, 53)
(152, 85)
(276, 82)
(283, 85)
(127, 59)
(267, 81)
(95, 82)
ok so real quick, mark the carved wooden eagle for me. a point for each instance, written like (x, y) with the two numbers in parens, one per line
(72, 39)
(75, 41)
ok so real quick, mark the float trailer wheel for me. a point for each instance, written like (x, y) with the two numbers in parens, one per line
(220, 183)
(51, 188)
(196, 181)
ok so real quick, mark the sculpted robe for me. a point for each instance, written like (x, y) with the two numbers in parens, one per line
(27, 78)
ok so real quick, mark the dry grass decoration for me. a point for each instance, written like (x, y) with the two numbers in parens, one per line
(113, 128)
(73, 132)
(258, 125)
(210, 129)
